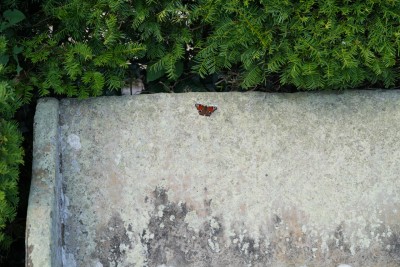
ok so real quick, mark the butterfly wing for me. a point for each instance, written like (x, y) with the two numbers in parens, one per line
(205, 110)
(201, 109)
(210, 110)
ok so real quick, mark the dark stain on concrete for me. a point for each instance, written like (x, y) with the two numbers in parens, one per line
(393, 244)
(338, 234)
(28, 249)
(173, 243)
(110, 242)
(170, 241)
(165, 239)
(29, 262)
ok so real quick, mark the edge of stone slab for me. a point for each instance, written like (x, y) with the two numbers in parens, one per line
(43, 227)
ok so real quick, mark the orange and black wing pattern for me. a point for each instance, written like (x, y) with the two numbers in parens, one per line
(205, 110)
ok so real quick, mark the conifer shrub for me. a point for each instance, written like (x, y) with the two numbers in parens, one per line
(11, 155)
(83, 47)
(11, 152)
(310, 44)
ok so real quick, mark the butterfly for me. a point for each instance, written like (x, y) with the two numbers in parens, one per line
(205, 110)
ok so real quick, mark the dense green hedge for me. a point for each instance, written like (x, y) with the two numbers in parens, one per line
(11, 152)
(86, 47)
(11, 155)
(83, 47)
(310, 44)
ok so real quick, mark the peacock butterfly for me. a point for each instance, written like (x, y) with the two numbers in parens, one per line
(205, 110)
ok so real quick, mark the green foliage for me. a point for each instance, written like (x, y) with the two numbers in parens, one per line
(11, 155)
(10, 18)
(310, 44)
(11, 152)
(9, 102)
(84, 47)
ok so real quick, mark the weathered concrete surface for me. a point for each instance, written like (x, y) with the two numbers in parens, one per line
(267, 180)
(43, 224)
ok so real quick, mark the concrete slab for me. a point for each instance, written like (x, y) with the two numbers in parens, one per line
(306, 179)
(43, 247)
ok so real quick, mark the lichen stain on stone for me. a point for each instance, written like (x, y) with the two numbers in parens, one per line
(112, 242)
(393, 245)
(74, 141)
(47, 149)
(284, 241)
(40, 172)
(173, 243)
(29, 251)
